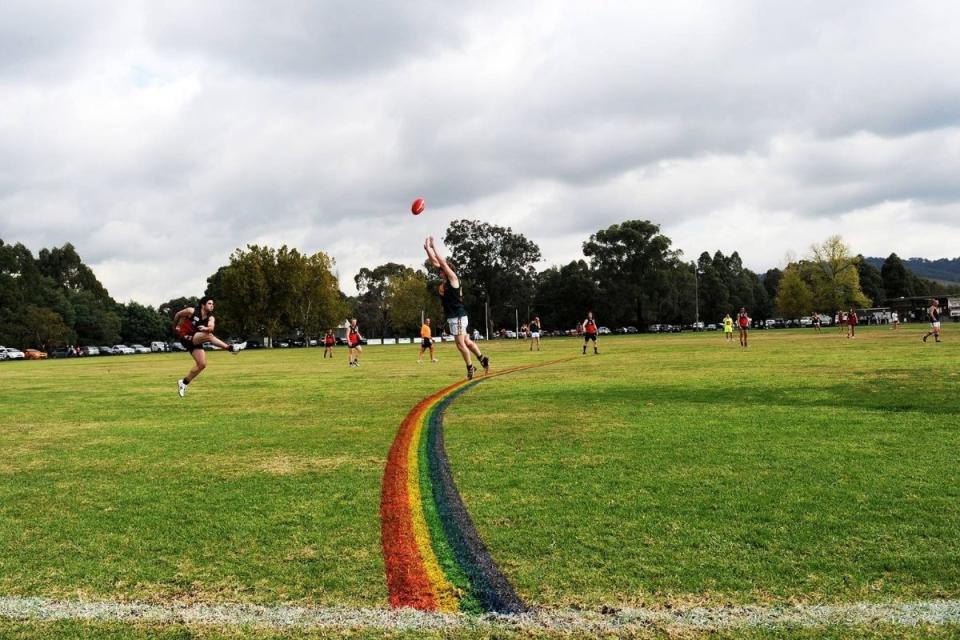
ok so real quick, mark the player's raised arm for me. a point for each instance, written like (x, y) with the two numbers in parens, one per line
(186, 312)
(431, 252)
(442, 264)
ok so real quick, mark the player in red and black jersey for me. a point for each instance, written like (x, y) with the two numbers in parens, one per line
(743, 322)
(354, 342)
(194, 326)
(589, 328)
(329, 341)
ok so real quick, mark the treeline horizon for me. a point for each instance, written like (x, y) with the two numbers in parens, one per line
(629, 276)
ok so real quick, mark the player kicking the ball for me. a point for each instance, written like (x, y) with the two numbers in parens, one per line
(451, 297)
(194, 326)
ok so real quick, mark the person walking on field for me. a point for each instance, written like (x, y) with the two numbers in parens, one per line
(590, 333)
(816, 321)
(852, 321)
(535, 333)
(194, 326)
(451, 297)
(426, 341)
(728, 328)
(933, 313)
(743, 322)
(894, 320)
(329, 341)
(354, 340)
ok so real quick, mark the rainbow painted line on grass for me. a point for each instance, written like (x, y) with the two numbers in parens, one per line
(434, 558)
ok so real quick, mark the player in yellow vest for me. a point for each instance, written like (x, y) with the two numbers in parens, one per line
(728, 327)
(426, 341)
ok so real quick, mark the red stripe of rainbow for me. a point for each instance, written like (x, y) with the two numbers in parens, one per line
(414, 577)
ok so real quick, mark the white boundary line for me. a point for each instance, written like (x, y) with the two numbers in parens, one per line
(932, 612)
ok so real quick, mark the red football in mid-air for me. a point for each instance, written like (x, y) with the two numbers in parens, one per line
(418, 206)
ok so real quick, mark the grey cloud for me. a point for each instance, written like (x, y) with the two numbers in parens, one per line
(326, 39)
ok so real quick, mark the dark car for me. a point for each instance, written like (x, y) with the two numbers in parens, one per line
(176, 346)
(106, 350)
(62, 352)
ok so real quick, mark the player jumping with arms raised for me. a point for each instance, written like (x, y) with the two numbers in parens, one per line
(451, 297)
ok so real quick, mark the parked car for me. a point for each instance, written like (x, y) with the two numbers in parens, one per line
(106, 350)
(62, 352)
(176, 346)
(603, 331)
(89, 351)
(121, 350)
(139, 348)
(711, 327)
(9, 353)
(157, 347)
(34, 354)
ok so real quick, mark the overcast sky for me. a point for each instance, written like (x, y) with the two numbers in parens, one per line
(158, 137)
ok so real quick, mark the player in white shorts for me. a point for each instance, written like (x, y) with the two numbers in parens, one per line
(451, 297)
(933, 312)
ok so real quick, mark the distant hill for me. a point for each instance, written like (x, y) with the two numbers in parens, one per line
(942, 270)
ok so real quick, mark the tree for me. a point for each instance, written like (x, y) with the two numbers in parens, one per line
(896, 278)
(407, 297)
(634, 265)
(771, 282)
(372, 286)
(315, 303)
(248, 303)
(871, 280)
(565, 294)
(494, 264)
(833, 272)
(64, 266)
(794, 297)
(714, 294)
(43, 328)
(95, 322)
(140, 324)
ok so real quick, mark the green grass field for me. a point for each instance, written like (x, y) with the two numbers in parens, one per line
(668, 471)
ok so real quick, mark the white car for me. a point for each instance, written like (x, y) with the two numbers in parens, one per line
(603, 331)
(121, 350)
(9, 353)
(139, 348)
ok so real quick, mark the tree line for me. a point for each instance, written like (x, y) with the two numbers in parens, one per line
(629, 275)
